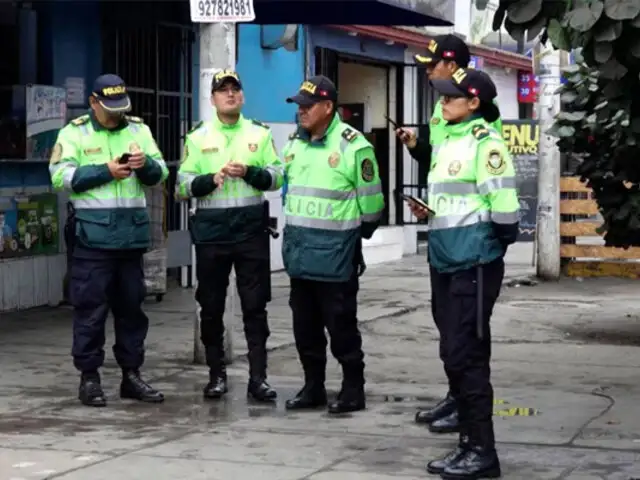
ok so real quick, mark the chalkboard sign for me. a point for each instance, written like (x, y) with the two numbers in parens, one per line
(523, 138)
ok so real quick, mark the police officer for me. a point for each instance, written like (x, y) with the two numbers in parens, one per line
(334, 199)
(472, 189)
(227, 165)
(105, 159)
(444, 55)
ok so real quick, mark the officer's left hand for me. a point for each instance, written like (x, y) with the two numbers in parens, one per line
(234, 169)
(136, 160)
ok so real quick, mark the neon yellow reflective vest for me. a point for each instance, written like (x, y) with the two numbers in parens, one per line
(110, 214)
(472, 188)
(334, 199)
(234, 212)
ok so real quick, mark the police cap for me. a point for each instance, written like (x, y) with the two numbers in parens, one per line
(470, 83)
(445, 47)
(313, 90)
(223, 77)
(111, 92)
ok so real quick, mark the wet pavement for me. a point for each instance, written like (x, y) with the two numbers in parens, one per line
(566, 370)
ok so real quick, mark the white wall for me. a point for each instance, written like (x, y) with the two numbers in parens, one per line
(506, 80)
(365, 84)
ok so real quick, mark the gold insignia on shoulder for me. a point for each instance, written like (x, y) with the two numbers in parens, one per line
(288, 158)
(56, 154)
(293, 135)
(80, 120)
(334, 159)
(260, 124)
(196, 127)
(435, 120)
(496, 164)
(368, 170)
(454, 168)
(349, 134)
(134, 119)
(480, 132)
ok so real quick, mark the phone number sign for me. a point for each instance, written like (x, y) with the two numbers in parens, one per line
(220, 11)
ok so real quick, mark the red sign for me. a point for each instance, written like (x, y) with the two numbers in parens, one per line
(528, 87)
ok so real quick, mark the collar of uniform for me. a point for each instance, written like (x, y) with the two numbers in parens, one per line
(97, 126)
(306, 136)
(464, 127)
(218, 125)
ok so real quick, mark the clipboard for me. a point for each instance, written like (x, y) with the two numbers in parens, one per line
(419, 201)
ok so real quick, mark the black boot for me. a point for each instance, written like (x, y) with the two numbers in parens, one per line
(475, 463)
(448, 424)
(313, 395)
(438, 466)
(351, 397)
(444, 408)
(217, 385)
(133, 387)
(258, 389)
(90, 392)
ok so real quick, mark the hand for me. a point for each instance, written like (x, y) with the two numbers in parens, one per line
(234, 169)
(218, 178)
(117, 170)
(137, 160)
(418, 211)
(407, 137)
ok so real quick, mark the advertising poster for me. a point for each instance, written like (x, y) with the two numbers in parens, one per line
(46, 114)
(29, 225)
(522, 137)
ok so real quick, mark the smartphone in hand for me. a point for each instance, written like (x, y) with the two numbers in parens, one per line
(124, 159)
(419, 201)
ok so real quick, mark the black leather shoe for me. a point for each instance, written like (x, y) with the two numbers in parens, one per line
(476, 463)
(216, 387)
(348, 401)
(261, 391)
(446, 407)
(90, 392)
(449, 424)
(308, 398)
(438, 466)
(133, 387)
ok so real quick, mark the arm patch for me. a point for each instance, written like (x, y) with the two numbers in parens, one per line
(480, 132)
(260, 124)
(133, 119)
(80, 120)
(349, 135)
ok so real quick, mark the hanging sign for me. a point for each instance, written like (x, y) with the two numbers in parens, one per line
(220, 11)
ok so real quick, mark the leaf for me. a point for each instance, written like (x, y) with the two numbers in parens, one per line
(573, 68)
(602, 51)
(534, 29)
(557, 35)
(523, 11)
(613, 70)
(498, 18)
(636, 22)
(566, 131)
(621, 9)
(482, 4)
(515, 31)
(608, 32)
(568, 97)
(584, 18)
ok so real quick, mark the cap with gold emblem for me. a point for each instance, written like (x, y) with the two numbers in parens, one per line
(445, 47)
(111, 93)
(223, 77)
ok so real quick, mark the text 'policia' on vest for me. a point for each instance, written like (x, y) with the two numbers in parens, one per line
(235, 211)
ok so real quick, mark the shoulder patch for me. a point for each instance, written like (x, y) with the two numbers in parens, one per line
(80, 120)
(349, 134)
(134, 119)
(293, 135)
(260, 124)
(496, 164)
(480, 132)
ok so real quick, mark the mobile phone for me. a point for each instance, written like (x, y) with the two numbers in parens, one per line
(124, 159)
(393, 124)
(419, 201)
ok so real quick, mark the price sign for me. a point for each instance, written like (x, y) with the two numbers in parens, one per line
(219, 11)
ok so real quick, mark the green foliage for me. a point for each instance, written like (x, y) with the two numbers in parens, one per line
(600, 122)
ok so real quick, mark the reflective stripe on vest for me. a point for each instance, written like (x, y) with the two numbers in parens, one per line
(305, 205)
(238, 194)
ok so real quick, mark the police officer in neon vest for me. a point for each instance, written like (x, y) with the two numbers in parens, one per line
(227, 165)
(334, 200)
(444, 55)
(472, 189)
(112, 231)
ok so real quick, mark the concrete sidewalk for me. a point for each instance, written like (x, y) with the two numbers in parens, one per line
(565, 356)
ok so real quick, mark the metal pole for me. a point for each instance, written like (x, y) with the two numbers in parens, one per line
(217, 52)
(548, 228)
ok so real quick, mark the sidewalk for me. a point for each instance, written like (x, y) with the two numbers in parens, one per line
(565, 353)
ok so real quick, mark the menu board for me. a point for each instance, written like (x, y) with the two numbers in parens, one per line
(29, 225)
(523, 138)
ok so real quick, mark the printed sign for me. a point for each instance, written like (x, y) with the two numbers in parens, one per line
(216, 11)
(29, 225)
(523, 137)
(46, 114)
(528, 87)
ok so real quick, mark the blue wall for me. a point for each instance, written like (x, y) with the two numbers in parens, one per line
(269, 76)
(69, 37)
